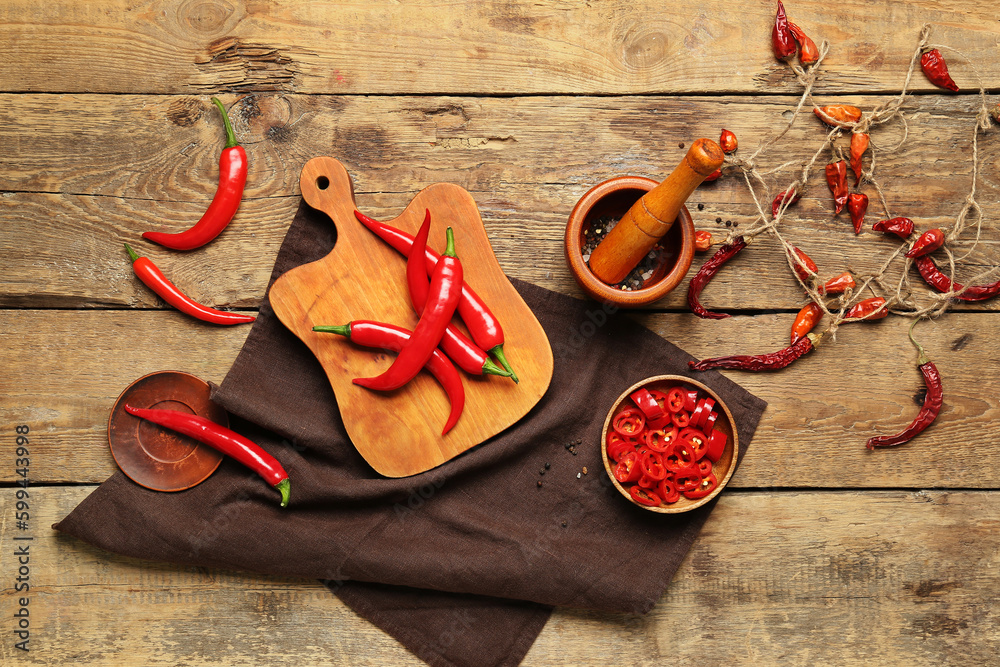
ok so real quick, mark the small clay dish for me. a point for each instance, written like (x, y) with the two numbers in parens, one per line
(722, 469)
(155, 457)
(614, 198)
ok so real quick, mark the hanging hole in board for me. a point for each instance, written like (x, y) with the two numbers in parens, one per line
(322, 182)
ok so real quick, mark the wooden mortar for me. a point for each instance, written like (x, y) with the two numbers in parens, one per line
(652, 216)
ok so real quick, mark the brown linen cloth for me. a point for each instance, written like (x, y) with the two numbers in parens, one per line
(463, 563)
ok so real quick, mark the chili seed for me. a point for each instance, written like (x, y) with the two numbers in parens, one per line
(584, 470)
(578, 475)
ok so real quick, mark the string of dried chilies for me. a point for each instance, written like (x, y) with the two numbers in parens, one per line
(851, 302)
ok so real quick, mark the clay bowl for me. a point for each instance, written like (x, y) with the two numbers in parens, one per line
(613, 198)
(722, 469)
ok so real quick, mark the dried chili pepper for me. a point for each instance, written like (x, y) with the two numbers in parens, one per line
(838, 115)
(728, 142)
(934, 277)
(995, 112)
(808, 53)
(934, 66)
(869, 309)
(804, 267)
(857, 206)
(782, 40)
(151, 275)
(927, 243)
(706, 273)
(901, 227)
(445, 290)
(702, 241)
(771, 361)
(859, 144)
(227, 441)
(713, 176)
(391, 337)
(781, 198)
(806, 320)
(839, 284)
(930, 409)
(460, 349)
(482, 324)
(232, 179)
(836, 179)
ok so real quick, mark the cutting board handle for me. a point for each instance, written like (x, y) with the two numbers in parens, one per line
(323, 182)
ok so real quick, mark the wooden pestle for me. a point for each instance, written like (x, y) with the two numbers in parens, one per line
(650, 217)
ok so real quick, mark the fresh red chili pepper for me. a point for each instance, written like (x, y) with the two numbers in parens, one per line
(680, 458)
(652, 465)
(690, 399)
(680, 419)
(702, 240)
(728, 142)
(454, 343)
(933, 401)
(661, 439)
(644, 496)
(782, 40)
(857, 206)
(713, 176)
(628, 469)
(804, 268)
(771, 361)
(869, 309)
(839, 284)
(392, 337)
(942, 283)
(936, 69)
(675, 399)
(151, 275)
(928, 242)
(629, 422)
(836, 179)
(782, 197)
(838, 115)
(704, 467)
(901, 227)
(445, 290)
(224, 440)
(806, 320)
(688, 481)
(617, 444)
(482, 324)
(808, 53)
(705, 486)
(709, 424)
(232, 179)
(667, 491)
(705, 274)
(859, 144)
(716, 446)
(647, 403)
(696, 439)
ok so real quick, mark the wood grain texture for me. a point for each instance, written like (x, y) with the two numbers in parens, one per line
(614, 47)
(813, 578)
(526, 162)
(64, 369)
(363, 278)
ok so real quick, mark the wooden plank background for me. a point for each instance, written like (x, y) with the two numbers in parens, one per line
(820, 551)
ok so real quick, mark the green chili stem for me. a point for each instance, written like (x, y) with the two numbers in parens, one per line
(490, 368)
(230, 135)
(497, 351)
(284, 488)
(922, 358)
(131, 253)
(340, 329)
(449, 251)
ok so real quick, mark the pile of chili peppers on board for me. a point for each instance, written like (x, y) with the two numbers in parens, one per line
(788, 40)
(437, 291)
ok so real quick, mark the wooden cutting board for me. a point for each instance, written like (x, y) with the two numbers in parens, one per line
(399, 432)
